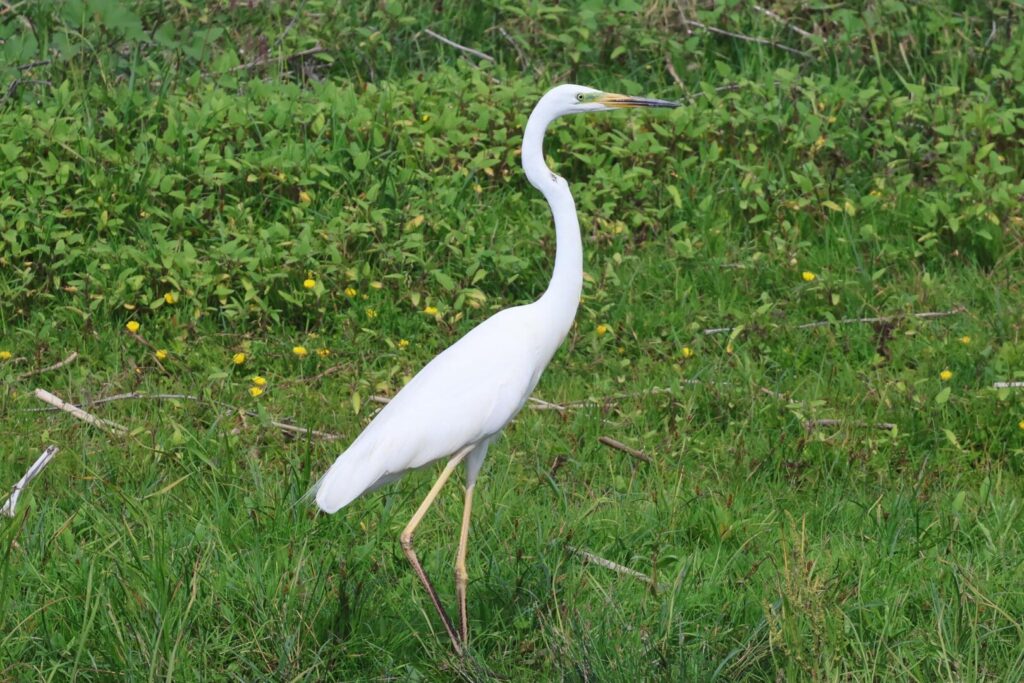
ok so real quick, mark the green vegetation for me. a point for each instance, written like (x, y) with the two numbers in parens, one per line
(188, 166)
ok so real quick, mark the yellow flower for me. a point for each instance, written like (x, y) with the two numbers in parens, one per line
(425, 118)
(160, 354)
(132, 326)
(259, 381)
(371, 313)
(255, 391)
(1021, 424)
(965, 340)
(808, 276)
(601, 329)
(304, 197)
(403, 343)
(309, 283)
(170, 298)
(238, 358)
(300, 351)
(946, 375)
(350, 292)
(687, 352)
(5, 355)
(323, 353)
(430, 310)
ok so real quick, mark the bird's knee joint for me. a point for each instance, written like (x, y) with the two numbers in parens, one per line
(406, 539)
(461, 575)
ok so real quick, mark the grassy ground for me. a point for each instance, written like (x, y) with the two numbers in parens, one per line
(836, 502)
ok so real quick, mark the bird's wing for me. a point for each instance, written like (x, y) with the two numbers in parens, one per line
(465, 394)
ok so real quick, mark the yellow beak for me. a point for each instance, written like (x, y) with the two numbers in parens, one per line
(626, 102)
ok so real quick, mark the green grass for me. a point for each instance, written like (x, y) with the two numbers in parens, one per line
(140, 162)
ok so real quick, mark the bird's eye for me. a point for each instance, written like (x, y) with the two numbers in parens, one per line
(579, 97)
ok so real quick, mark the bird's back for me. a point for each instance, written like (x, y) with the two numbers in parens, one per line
(463, 396)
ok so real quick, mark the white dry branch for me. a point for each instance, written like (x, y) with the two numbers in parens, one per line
(59, 403)
(41, 462)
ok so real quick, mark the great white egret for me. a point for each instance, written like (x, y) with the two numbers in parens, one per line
(459, 402)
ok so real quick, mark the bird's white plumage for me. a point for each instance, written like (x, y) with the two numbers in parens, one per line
(462, 397)
(468, 393)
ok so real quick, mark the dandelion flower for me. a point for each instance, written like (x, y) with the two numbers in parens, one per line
(323, 353)
(309, 283)
(304, 197)
(965, 340)
(300, 351)
(808, 276)
(1021, 424)
(5, 355)
(425, 118)
(403, 343)
(371, 313)
(350, 292)
(601, 329)
(430, 310)
(132, 326)
(160, 354)
(255, 391)
(259, 380)
(238, 358)
(687, 352)
(946, 375)
(170, 298)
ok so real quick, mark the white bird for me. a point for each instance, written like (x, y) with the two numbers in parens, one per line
(459, 402)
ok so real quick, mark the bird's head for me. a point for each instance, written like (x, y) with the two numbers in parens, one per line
(577, 99)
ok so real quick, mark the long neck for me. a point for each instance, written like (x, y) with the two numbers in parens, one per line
(562, 296)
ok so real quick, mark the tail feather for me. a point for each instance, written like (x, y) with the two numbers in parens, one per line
(355, 472)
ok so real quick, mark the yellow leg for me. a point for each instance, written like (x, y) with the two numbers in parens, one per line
(461, 575)
(406, 539)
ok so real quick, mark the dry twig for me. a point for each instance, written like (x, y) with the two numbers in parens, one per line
(73, 410)
(1007, 385)
(67, 361)
(263, 61)
(41, 462)
(614, 566)
(749, 39)
(452, 43)
(795, 29)
(926, 315)
(810, 425)
(628, 450)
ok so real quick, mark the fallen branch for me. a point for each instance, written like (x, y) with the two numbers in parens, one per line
(614, 566)
(628, 450)
(283, 426)
(810, 425)
(263, 61)
(41, 462)
(749, 39)
(795, 29)
(670, 67)
(67, 361)
(926, 315)
(452, 43)
(1008, 385)
(73, 410)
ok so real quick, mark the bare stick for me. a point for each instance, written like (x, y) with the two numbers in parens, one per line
(810, 425)
(315, 50)
(452, 43)
(106, 425)
(670, 67)
(926, 315)
(749, 39)
(67, 361)
(41, 462)
(614, 566)
(1007, 385)
(795, 29)
(283, 426)
(628, 450)
(524, 61)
